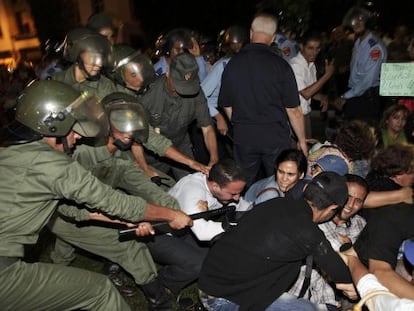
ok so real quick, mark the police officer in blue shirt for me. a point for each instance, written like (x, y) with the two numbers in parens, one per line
(362, 100)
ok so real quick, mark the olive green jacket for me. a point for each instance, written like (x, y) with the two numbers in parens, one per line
(33, 179)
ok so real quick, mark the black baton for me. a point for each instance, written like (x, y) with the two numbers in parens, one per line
(163, 227)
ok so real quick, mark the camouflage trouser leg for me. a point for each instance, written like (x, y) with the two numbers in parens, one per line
(42, 286)
(134, 257)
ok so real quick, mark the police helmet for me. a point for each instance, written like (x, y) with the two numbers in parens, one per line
(123, 55)
(53, 108)
(102, 20)
(83, 39)
(176, 38)
(235, 34)
(357, 12)
(126, 114)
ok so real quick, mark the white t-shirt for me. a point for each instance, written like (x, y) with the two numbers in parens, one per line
(192, 191)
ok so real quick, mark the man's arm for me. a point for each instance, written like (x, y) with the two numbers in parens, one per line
(311, 90)
(210, 141)
(391, 279)
(296, 119)
(174, 154)
(382, 198)
(228, 111)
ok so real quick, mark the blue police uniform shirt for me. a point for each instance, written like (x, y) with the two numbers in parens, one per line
(288, 48)
(367, 58)
(212, 83)
(161, 66)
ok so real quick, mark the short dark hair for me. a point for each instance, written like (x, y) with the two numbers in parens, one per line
(310, 35)
(326, 189)
(356, 140)
(352, 178)
(317, 196)
(293, 155)
(225, 171)
(394, 160)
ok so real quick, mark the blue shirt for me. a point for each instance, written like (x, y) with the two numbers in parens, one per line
(263, 190)
(212, 83)
(367, 58)
(288, 48)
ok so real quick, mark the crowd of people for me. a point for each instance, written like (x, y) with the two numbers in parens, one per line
(105, 137)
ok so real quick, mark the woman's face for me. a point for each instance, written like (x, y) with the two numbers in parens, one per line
(396, 122)
(287, 175)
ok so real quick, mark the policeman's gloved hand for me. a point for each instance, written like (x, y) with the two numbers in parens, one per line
(158, 181)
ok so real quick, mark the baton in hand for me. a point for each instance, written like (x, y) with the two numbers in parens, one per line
(163, 227)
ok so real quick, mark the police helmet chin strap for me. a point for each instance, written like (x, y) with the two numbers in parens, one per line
(63, 140)
(89, 77)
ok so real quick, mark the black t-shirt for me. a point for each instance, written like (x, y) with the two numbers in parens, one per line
(387, 227)
(254, 263)
(259, 85)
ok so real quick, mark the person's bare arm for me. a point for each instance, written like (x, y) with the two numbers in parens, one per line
(143, 229)
(138, 152)
(297, 122)
(222, 125)
(391, 279)
(176, 155)
(382, 198)
(176, 219)
(210, 141)
(314, 88)
(228, 111)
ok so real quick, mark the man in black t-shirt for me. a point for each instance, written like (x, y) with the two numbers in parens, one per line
(253, 265)
(388, 226)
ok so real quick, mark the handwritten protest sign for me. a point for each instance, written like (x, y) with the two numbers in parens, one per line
(397, 79)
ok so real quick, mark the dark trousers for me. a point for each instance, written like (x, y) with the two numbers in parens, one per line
(180, 257)
(367, 107)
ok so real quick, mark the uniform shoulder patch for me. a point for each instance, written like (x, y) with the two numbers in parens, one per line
(286, 51)
(375, 54)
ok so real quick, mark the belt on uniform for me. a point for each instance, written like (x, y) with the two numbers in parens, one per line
(7, 261)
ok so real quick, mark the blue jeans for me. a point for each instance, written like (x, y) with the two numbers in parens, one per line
(286, 302)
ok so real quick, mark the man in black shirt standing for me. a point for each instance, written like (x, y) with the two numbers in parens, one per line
(260, 96)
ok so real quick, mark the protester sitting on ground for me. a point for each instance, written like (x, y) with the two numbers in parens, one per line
(392, 125)
(344, 228)
(354, 141)
(387, 227)
(329, 163)
(253, 265)
(198, 193)
(290, 169)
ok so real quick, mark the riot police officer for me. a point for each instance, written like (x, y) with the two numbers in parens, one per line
(50, 117)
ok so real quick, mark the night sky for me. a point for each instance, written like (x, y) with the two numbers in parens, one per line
(210, 16)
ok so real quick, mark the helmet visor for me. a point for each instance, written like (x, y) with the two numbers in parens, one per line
(90, 117)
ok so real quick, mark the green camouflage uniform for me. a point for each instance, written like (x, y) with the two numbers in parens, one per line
(111, 169)
(34, 178)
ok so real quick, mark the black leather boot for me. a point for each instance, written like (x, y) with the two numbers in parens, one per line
(159, 299)
(113, 271)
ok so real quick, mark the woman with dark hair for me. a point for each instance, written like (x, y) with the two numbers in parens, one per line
(355, 142)
(290, 169)
(392, 125)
